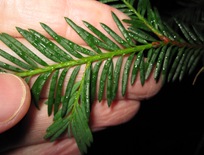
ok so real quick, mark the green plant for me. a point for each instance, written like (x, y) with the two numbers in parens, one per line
(149, 43)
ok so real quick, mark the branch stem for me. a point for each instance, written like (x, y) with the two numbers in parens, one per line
(155, 31)
(84, 60)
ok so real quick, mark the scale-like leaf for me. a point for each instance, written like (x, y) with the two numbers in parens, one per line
(13, 44)
(55, 127)
(59, 87)
(116, 76)
(126, 73)
(142, 34)
(86, 36)
(167, 60)
(69, 89)
(198, 34)
(179, 67)
(94, 79)
(159, 63)
(185, 32)
(123, 30)
(103, 79)
(197, 59)
(37, 87)
(15, 60)
(118, 4)
(188, 53)
(38, 44)
(66, 44)
(175, 64)
(152, 61)
(81, 130)
(51, 95)
(109, 84)
(136, 66)
(20, 48)
(10, 67)
(137, 24)
(115, 36)
(142, 71)
(53, 48)
(85, 95)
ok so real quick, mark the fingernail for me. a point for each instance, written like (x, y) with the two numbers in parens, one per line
(12, 96)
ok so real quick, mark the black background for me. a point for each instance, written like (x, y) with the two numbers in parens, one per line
(170, 123)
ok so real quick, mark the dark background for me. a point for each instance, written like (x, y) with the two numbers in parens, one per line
(170, 123)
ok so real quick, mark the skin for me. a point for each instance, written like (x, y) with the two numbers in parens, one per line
(22, 126)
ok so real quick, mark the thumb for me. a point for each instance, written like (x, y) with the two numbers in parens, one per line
(14, 100)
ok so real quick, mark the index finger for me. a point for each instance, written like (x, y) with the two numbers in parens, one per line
(28, 14)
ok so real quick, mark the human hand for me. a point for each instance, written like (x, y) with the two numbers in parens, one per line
(27, 136)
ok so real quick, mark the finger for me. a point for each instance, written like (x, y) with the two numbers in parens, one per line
(119, 112)
(32, 129)
(28, 14)
(14, 100)
(60, 147)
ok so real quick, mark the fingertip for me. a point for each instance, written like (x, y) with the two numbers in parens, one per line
(119, 112)
(14, 100)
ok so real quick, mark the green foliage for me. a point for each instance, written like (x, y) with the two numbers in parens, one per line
(149, 44)
(188, 11)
